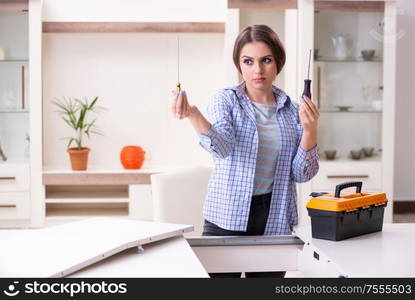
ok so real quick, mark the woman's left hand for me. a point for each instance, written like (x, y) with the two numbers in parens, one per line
(308, 115)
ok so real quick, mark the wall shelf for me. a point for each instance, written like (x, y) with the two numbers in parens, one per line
(87, 194)
(85, 199)
(14, 111)
(264, 4)
(97, 177)
(14, 61)
(350, 6)
(352, 59)
(86, 210)
(14, 5)
(133, 27)
(350, 111)
(341, 159)
(91, 200)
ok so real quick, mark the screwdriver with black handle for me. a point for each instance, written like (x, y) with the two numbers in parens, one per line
(307, 82)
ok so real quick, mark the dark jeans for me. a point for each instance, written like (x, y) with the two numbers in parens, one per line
(258, 216)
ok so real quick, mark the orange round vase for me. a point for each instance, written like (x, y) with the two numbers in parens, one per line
(132, 157)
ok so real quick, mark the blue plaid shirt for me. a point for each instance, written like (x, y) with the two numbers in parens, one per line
(233, 144)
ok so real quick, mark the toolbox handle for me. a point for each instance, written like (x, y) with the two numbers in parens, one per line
(345, 185)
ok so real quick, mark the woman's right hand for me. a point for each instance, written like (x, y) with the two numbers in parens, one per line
(180, 107)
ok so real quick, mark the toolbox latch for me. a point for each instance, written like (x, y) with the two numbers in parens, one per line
(317, 194)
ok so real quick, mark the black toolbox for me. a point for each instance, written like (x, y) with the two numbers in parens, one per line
(340, 217)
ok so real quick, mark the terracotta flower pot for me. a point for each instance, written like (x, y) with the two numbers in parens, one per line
(132, 157)
(79, 158)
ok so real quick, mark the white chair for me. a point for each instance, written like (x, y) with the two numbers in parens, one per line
(178, 196)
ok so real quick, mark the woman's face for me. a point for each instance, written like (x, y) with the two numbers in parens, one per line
(258, 65)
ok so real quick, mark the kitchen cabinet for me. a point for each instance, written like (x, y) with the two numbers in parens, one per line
(14, 100)
(353, 87)
(14, 119)
(19, 89)
(348, 87)
(14, 195)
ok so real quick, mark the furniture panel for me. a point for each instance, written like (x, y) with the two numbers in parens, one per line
(14, 205)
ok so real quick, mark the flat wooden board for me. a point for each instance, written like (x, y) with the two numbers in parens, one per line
(263, 4)
(126, 27)
(14, 5)
(61, 250)
(350, 6)
(168, 258)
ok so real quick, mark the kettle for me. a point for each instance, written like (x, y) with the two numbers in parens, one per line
(341, 45)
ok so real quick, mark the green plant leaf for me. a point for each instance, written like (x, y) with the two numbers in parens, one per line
(74, 113)
(93, 103)
(89, 126)
(61, 106)
(73, 121)
(97, 132)
(70, 142)
(68, 122)
(81, 118)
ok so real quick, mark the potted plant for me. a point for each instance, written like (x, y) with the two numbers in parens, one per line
(75, 113)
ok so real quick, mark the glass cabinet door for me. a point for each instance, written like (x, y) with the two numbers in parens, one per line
(13, 85)
(14, 100)
(348, 71)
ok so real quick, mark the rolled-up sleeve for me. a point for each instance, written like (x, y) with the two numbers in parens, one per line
(305, 164)
(220, 140)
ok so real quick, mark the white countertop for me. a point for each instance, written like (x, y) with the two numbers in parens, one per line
(388, 253)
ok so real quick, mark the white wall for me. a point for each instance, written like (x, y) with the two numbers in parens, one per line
(133, 74)
(405, 104)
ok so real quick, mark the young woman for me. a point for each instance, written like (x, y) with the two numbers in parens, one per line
(261, 143)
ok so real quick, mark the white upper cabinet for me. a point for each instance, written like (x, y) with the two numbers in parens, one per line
(354, 89)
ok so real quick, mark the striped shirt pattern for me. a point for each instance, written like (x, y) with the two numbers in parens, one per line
(233, 143)
(267, 126)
